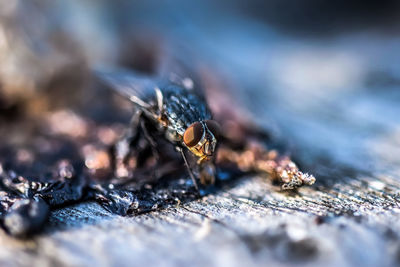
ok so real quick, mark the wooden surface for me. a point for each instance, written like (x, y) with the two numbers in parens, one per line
(336, 105)
(350, 217)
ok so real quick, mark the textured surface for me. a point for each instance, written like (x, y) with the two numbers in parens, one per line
(349, 218)
(248, 224)
(334, 101)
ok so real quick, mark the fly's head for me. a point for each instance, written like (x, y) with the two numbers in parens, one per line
(201, 139)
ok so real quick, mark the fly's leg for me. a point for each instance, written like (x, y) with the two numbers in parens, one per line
(179, 149)
(207, 171)
(123, 146)
(150, 139)
(152, 145)
(137, 141)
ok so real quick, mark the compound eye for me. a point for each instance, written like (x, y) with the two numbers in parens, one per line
(214, 127)
(193, 134)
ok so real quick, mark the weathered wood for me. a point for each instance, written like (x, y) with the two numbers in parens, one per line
(350, 217)
(336, 104)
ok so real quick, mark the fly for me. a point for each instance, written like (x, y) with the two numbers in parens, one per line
(178, 113)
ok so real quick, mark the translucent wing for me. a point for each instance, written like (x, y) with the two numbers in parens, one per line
(137, 87)
(179, 66)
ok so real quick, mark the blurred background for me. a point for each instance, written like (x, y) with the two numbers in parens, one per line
(324, 75)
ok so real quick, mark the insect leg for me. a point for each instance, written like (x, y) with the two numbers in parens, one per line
(208, 173)
(188, 167)
(150, 139)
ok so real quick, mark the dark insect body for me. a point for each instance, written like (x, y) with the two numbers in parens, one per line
(176, 110)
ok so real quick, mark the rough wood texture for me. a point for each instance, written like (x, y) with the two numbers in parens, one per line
(349, 218)
(337, 106)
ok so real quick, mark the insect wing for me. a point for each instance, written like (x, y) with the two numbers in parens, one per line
(179, 67)
(138, 88)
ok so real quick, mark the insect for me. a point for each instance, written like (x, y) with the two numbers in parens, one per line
(176, 110)
(170, 112)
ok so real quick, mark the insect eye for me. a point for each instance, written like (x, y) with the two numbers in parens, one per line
(214, 127)
(193, 134)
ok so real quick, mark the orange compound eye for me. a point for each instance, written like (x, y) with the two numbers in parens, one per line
(193, 134)
(214, 127)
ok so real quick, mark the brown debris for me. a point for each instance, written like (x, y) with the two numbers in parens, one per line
(255, 157)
